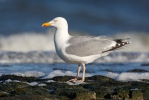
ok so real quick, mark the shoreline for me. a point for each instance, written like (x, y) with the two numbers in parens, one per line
(57, 88)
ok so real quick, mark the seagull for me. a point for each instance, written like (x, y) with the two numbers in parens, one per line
(81, 50)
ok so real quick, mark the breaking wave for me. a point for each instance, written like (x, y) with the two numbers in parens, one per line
(51, 57)
(25, 42)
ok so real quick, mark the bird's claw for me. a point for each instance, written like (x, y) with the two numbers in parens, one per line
(76, 80)
(73, 80)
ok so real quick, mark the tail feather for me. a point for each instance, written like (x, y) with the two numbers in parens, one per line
(119, 44)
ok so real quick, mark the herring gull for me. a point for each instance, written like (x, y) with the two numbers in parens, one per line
(81, 50)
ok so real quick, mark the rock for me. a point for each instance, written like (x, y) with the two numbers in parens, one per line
(99, 78)
(96, 88)
(20, 78)
(101, 94)
(120, 96)
(75, 94)
(100, 90)
(138, 70)
(29, 97)
(18, 91)
(114, 97)
(85, 95)
(146, 94)
(136, 95)
(4, 94)
(62, 78)
(124, 94)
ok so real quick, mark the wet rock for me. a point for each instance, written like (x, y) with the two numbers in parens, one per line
(136, 95)
(99, 78)
(4, 94)
(20, 78)
(123, 94)
(146, 94)
(76, 94)
(96, 88)
(30, 97)
(138, 70)
(18, 91)
(62, 78)
(85, 95)
(100, 90)
(145, 80)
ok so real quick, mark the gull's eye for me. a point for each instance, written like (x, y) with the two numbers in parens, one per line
(55, 20)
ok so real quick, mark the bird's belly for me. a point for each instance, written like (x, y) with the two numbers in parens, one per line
(66, 58)
(63, 56)
(77, 59)
(74, 58)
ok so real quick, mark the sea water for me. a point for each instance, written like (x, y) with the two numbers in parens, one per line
(117, 65)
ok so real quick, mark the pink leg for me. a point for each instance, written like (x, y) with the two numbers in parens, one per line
(83, 74)
(79, 68)
(75, 79)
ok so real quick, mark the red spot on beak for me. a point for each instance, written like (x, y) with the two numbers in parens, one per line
(44, 25)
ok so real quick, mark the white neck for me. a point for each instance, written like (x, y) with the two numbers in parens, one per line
(60, 37)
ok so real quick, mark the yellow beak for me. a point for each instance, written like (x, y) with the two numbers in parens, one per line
(46, 24)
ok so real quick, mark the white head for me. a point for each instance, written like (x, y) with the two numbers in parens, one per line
(58, 22)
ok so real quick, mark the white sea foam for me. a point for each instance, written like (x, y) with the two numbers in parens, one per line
(50, 75)
(60, 73)
(66, 73)
(8, 80)
(75, 83)
(128, 76)
(42, 84)
(27, 42)
(125, 76)
(49, 81)
(29, 74)
(32, 83)
(29, 83)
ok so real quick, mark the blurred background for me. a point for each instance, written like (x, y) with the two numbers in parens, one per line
(21, 20)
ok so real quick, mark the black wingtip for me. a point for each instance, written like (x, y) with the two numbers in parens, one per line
(119, 44)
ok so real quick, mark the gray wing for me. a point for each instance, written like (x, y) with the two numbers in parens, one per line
(86, 46)
(78, 39)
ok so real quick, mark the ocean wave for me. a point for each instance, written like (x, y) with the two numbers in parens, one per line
(51, 57)
(128, 76)
(25, 42)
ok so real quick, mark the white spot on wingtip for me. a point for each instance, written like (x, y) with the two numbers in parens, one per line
(118, 44)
